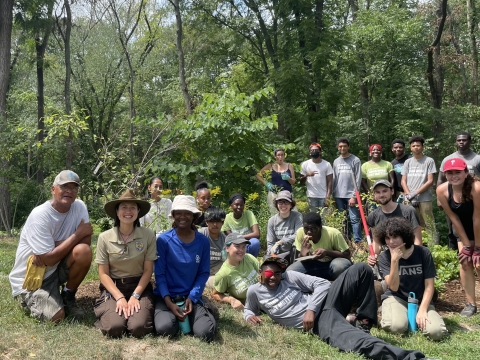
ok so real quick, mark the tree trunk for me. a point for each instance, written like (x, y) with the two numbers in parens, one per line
(40, 46)
(472, 20)
(181, 57)
(68, 72)
(6, 21)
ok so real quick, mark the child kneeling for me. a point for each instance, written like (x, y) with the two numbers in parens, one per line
(407, 268)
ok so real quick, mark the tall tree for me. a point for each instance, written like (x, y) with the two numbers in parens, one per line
(6, 22)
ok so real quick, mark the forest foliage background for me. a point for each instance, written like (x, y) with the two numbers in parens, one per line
(121, 90)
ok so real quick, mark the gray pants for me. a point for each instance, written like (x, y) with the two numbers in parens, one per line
(202, 321)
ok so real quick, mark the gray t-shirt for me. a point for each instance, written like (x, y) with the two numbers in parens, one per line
(216, 247)
(417, 172)
(284, 230)
(343, 186)
(472, 160)
(43, 228)
(287, 304)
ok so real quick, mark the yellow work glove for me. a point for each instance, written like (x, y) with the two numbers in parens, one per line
(34, 276)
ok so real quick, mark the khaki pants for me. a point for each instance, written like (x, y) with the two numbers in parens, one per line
(394, 319)
(427, 221)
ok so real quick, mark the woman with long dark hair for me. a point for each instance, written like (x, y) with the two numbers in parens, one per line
(460, 199)
(125, 256)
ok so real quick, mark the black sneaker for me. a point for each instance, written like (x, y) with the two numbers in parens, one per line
(469, 310)
(71, 306)
(363, 325)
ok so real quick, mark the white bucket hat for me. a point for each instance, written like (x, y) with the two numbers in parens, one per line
(184, 202)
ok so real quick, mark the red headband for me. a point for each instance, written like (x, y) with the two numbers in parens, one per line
(377, 145)
(315, 144)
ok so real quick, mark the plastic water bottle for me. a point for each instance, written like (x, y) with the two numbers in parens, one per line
(185, 324)
(400, 199)
(412, 312)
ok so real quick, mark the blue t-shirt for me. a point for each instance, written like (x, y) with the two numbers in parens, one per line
(182, 269)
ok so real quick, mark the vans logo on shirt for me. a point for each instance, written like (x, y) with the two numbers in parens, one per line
(410, 270)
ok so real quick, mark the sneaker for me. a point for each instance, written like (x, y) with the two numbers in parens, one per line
(469, 310)
(71, 306)
(363, 325)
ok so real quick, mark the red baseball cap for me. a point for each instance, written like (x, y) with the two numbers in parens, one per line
(454, 164)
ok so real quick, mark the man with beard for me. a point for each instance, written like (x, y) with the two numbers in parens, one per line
(463, 142)
(383, 193)
(317, 174)
(304, 302)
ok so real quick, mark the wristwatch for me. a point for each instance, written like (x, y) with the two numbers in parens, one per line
(136, 295)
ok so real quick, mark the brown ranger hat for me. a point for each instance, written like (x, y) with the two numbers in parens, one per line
(127, 196)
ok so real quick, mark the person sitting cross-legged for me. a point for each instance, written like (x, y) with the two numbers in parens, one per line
(407, 268)
(237, 273)
(305, 302)
(332, 255)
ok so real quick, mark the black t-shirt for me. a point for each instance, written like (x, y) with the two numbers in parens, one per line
(397, 168)
(405, 211)
(412, 272)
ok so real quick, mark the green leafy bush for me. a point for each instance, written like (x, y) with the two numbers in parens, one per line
(446, 263)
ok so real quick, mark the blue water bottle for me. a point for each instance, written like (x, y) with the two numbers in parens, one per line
(412, 312)
(400, 199)
(185, 324)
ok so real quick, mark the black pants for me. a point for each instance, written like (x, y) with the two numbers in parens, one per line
(355, 286)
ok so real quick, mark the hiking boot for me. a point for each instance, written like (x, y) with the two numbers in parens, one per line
(71, 306)
(469, 310)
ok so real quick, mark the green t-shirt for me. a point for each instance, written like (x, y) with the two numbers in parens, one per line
(235, 280)
(376, 171)
(241, 226)
(331, 239)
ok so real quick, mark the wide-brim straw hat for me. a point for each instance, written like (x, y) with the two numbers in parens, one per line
(127, 196)
(185, 202)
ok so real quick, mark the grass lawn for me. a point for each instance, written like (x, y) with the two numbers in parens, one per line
(22, 337)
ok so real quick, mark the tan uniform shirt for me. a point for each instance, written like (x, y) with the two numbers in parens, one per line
(126, 259)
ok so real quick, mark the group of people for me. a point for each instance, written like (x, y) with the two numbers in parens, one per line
(306, 279)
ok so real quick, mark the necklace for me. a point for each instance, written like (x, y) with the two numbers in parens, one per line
(124, 236)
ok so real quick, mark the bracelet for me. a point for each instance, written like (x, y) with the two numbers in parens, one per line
(120, 298)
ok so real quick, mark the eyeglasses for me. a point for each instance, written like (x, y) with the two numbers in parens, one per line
(283, 202)
(73, 189)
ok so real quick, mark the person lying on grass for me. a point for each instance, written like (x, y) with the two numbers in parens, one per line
(407, 268)
(301, 301)
(238, 272)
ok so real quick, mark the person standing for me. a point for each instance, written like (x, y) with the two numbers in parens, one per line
(417, 180)
(282, 177)
(344, 187)
(460, 198)
(463, 142)
(317, 174)
(398, 149)
(158, 218)
(376, 168)
(56, 237)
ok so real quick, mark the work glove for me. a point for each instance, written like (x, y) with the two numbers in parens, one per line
(476, 256)
(465, 254)
(415, 203)
(269, 186)
(285, 177)
(34, 276)
(275, 250)
(411, 196)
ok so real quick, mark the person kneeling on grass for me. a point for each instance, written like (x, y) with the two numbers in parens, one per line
(301, 301)
(407, 268)
(237, 273)
(332, 255)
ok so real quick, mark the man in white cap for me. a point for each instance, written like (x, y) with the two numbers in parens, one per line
(55, 242)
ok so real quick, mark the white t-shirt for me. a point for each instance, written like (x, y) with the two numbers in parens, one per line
(158, 218)
(43, 228)
(317, 184)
